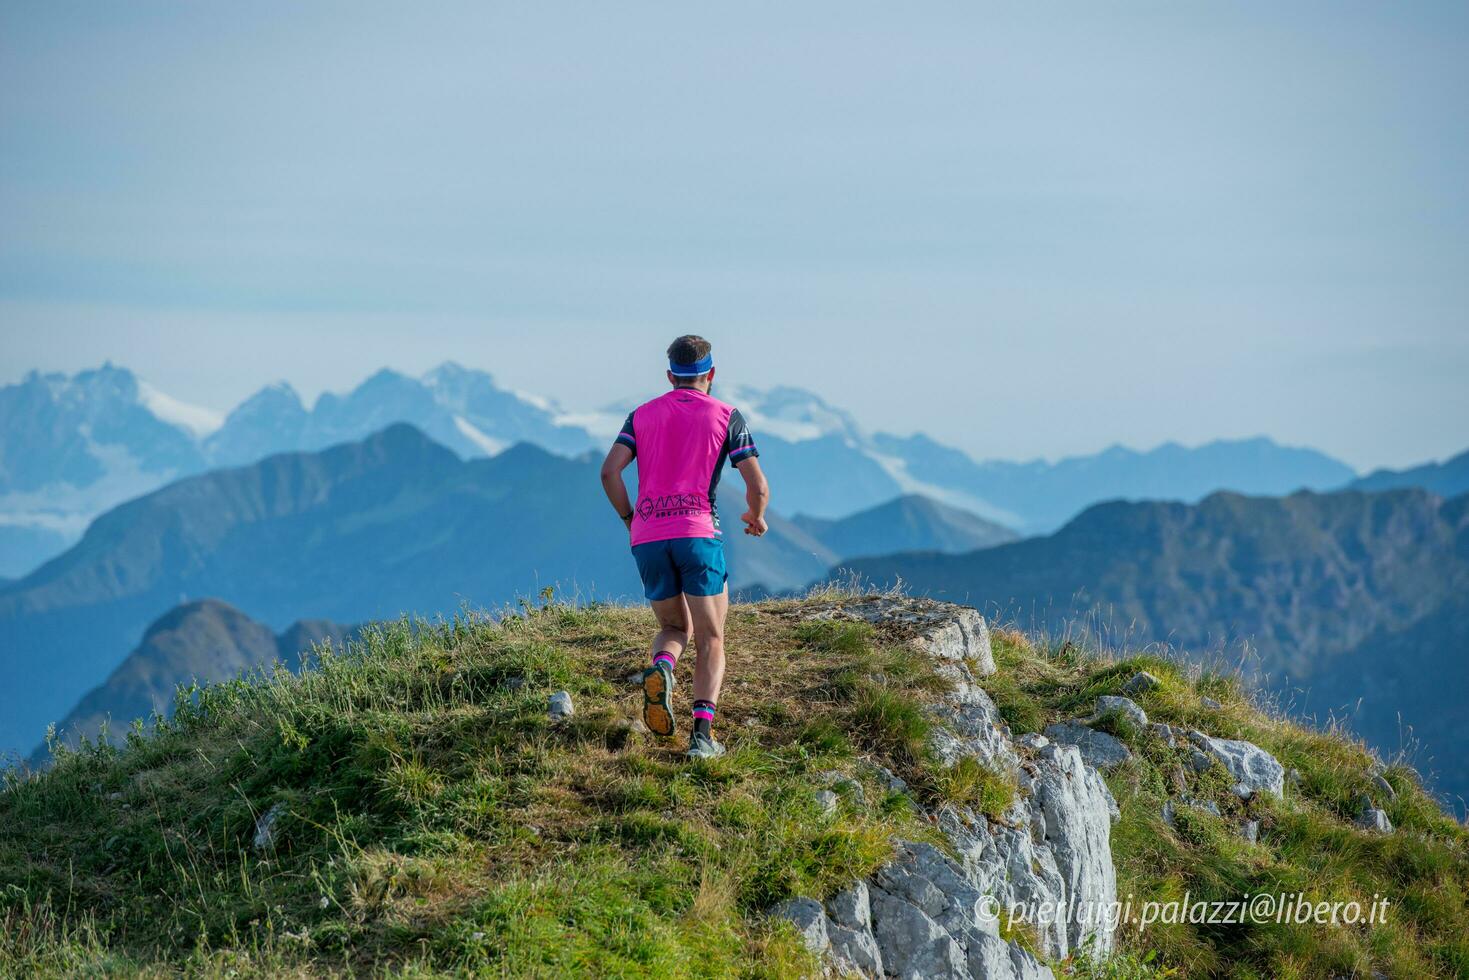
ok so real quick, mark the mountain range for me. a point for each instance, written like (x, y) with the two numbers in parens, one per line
(72, 447)
(205, 641)
(394, 524)
(1350, 603)
(1447, 479)
(340, 511)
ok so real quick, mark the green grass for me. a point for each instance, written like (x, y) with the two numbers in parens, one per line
(970, 782)
(434, 821)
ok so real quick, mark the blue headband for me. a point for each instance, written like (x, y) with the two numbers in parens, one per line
(702, 366)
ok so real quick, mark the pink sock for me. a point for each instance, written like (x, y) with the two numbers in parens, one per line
(667, 658)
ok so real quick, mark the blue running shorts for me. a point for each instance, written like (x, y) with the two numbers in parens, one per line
(691, 565)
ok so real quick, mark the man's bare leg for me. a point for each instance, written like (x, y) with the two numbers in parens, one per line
(668, 645)
(706, 614)
(673, 627)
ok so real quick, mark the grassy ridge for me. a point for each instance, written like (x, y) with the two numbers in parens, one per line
(432, 819)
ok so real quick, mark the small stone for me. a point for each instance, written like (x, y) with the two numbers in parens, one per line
(842, 783)
(1140, 682)
(559, 706)
(827, 800)
(852, 788)
(1178, 779)
(114, 797)
(1163, 733)
(1199, 760)
(1170, 808)
(1250, 830)
(1375, 819)
(751, 722)
(1033, 741)
(809, 919)
(893, 782)
(1385, 786)
(514, 683)
(1253, 769)
(1126, 707)
(1210, 703)
(265, 827)
(639, 726)
(635, 678)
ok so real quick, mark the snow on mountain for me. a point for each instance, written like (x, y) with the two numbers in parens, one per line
(194, 418)
(74, 446)
(604, 424)
(487, 445)
(792, 414)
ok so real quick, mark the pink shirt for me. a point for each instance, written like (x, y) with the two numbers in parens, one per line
(681, 440)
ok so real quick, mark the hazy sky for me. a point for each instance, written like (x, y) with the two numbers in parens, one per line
(1029, 229)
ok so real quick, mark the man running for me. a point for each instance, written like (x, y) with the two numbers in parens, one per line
(681, 440)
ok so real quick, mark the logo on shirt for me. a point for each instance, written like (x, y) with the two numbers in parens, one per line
(672, 505)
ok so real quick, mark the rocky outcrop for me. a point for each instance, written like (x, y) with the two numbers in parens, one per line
(1097, 749)
(929, 914)
(1254, 770)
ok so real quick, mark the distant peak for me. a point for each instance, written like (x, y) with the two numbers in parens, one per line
(386, 378)
(277, 396)
(400, 432)
(193, 609)
(448, 369)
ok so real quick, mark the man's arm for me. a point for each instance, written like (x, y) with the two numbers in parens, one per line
(757, 496)
(617, 459)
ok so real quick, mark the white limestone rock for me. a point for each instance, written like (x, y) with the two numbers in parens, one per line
(559, 706)
(1254, 770)
(1099, 749)
(913, 945)
(1375, 819)
(1079, 810)
(924, 912)
(810, 920)
(1126, 707)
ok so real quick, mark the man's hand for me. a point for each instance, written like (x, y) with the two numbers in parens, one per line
(757, 496)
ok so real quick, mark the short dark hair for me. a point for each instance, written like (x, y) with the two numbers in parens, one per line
(689, 349)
